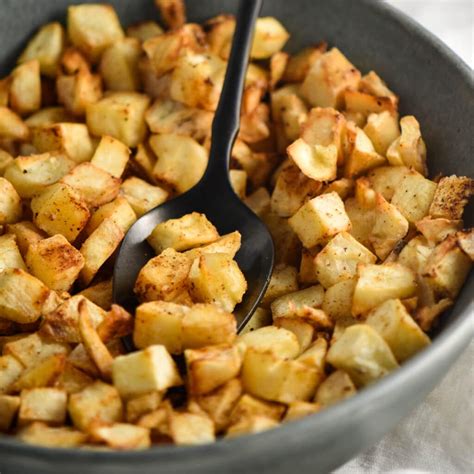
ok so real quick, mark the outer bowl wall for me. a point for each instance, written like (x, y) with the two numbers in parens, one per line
(434, 85)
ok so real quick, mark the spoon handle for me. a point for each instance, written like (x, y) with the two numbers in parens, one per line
(227, 118)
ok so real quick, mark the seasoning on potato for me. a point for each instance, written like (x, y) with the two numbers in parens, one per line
(369, 250)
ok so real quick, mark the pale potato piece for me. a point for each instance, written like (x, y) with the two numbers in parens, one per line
(238, 181)
(248, 407)
(210, 367)
(413, 196)
(382, 129)
(26, 233)
(42, 404)
(259, 201)
(48, 116)
(159, 322)
(142, 196)
(183, 233)
(251, 425)
(12, 126)
(330, 75)
(144, 30)
(300, 63)
(98, 247)
(378, 283)
(207, 324)
(55, 262)
(373, 84)
(111, 155)
(120, 115)
(118, 210)
(337, 387)
(319, 219)
(119, 65)
(21, 296)
(141, 372)
(30, 175)
(191, 428)
(270, 37)
(96, 403)
(451, 196)
(266, 376)
(122, 436)
(60, 209)
(288, 304)
(163, 277)
(303, 330)
(38, 433)
(92, 28)
(10, 256)
(360, 102)
(181, 160)
(282, 342)
(8, 409)
(143, 404)
(315, 355)
(228, 244)
(42, 374)
(284, 280)
(337, 301)
(216, 278)
(278, 64)
(259, 319)
(339, 259)
(46, 46)
(437, 229)
(10, 370)
(5, 160)
(409, 149)
(10, 203)
(73, 380)
(25, 88)
(392, 321)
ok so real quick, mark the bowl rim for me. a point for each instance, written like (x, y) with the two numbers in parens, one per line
(458, 333)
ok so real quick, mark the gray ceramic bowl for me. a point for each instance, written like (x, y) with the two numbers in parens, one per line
(433, 84)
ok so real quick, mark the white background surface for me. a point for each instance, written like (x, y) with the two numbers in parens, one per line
(438, 436)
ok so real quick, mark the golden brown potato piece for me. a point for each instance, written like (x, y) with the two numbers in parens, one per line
(451, 196)
(142, 196)
(280, 341)
(10, 256)
(8, 409)
(12, 126)
(300, 63)
(337, 387)
(42, 404)
(173, 12)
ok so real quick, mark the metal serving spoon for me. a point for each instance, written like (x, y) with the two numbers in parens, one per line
(213, 195)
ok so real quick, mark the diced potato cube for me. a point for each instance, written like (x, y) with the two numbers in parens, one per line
(288, 304)
(251, 425)
(12, 126)
(97, 403)
(8, 408)
(181, 160)
(259, 319)
(98, 247)
(141, 372)
(118, 210)
(451, 196)
(382, 130)
(337, 301)
(10, 203)
(378, 283)
(409, 149)
(413, 196)
(386, 179)
(337, 387)
(282, 342)
(46, 46)
(319, 219)
(212, 366)
(144, 30)
(447, 268)
(315, 355)
(191, 428)
(25, 88)
(249, 406)
(300, 63)
(99, 294)
(70, 138)
(10, 370)
(390, 226)
(216, 278)
(120, 115)
(207, 324)
(119, 65)
(330, 75)
(266, 376)
(163, 277)
(392, 321)
(303, 330)
(92, 28)
(142, 196)
(43, 404)
(360, 102)
(21, 296)
(73, 380)
(284, 280)
(55, 262)
(10, 256)
(270, 37)
(373, 84)
(26, 233)
(143, 404)
(184, 233)
(33, 174)
(307, 273)
(111, 155)
(339, 259)
(42, 374)
(60, 210)
(122, 436)
(48, 116)
(228, 244)
(197, 80)
(159, 322)
(436, 230)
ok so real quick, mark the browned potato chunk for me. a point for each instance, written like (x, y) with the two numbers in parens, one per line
(284, 280)
(143, 404)
(43, 374)
(26, 233)
(118, 210)
(337, 387)
(436, 230)
(173, 12)
(287, 305)
(55, 262)
(250, 425)
(111, 155)
(280, 341)
(451, 196)
(228, 244)
(142, 196)
(8, 408)
(300, 63)
(270, 37)
(43, 404)
(249, 406)
(10, 370)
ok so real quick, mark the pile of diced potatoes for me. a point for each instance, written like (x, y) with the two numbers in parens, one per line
(98, 125)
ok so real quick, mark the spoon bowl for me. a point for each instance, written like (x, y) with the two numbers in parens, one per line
(213, 195)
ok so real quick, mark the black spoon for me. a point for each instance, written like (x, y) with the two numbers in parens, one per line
(213, 195)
